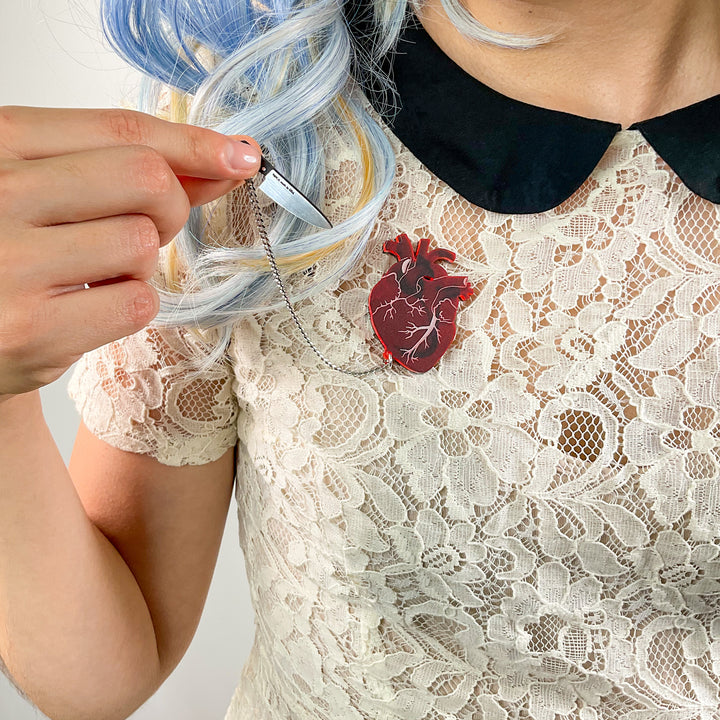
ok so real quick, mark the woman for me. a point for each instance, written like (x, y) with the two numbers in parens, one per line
(528, 528)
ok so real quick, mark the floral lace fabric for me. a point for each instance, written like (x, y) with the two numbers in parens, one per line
(136, 394)
(530, 530)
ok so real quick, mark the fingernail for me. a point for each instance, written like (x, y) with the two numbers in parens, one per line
(242, 156)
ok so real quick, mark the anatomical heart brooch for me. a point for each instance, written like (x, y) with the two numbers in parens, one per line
(414, 305)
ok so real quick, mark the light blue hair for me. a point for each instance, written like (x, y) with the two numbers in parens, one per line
(280, 72)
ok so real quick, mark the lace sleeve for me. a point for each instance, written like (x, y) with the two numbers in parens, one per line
(136, 394)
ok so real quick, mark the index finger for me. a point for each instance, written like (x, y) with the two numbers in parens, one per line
(32, 133)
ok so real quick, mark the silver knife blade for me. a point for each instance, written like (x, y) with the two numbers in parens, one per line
(278, 188)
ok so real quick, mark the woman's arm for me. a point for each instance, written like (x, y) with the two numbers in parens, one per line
(75, 631)
(103, 576)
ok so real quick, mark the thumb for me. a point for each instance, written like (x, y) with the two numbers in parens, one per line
(247, 139)
(201, 191)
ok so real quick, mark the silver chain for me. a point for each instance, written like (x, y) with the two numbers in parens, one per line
(276, 274)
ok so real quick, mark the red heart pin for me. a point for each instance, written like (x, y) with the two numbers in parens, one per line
(414, 305)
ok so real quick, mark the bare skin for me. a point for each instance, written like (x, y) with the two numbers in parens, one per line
(104, 568)
(616, 60)
(89, 196)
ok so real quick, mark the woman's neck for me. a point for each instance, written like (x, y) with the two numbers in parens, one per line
(616, 60)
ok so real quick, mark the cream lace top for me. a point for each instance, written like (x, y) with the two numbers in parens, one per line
(530, 530)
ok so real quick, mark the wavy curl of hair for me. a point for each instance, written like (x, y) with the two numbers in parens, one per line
(283, 72)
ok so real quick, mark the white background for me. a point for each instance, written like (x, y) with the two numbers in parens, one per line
(52, 54)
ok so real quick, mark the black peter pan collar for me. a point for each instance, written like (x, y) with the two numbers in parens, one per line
(508, 156)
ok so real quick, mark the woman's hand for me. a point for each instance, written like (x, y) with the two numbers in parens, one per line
(89, 196)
